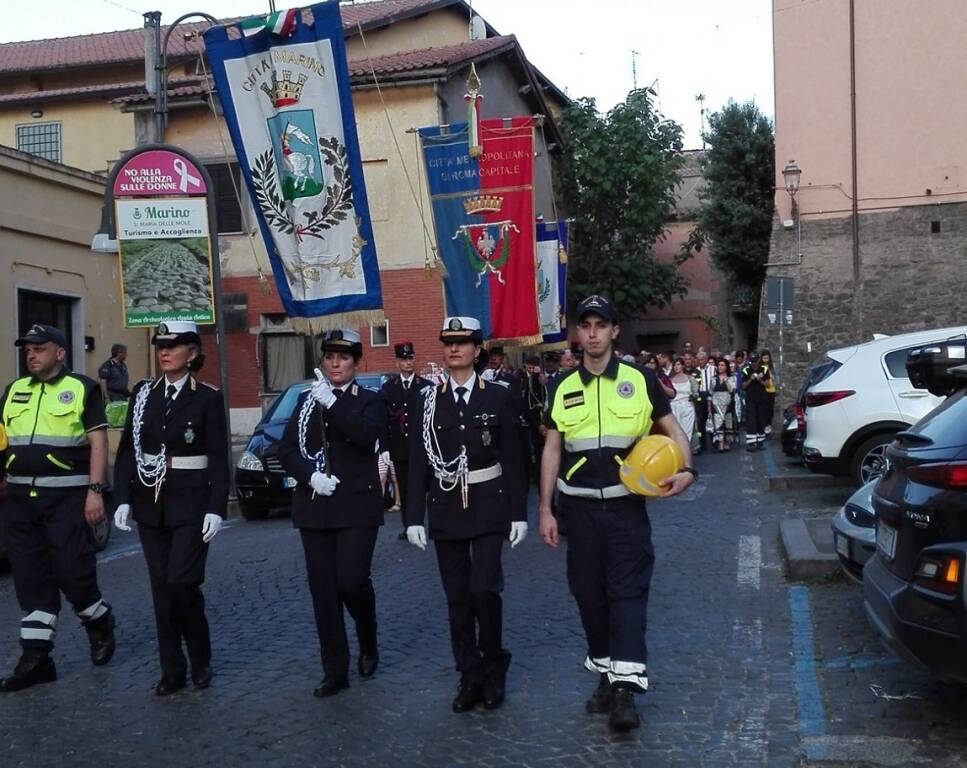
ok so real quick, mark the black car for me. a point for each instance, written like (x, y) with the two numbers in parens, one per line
(914, 587)
(793, 433)
(260, 483)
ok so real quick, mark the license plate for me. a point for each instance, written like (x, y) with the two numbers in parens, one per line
(886, 540)
(289, 482)
(842, 546)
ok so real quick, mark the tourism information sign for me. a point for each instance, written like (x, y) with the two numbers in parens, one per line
(164, 236)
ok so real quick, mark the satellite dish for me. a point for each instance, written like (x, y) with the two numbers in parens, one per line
(478, 29)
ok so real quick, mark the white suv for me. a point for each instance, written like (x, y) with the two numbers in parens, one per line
(853, 414)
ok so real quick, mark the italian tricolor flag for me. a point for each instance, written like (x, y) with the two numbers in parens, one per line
(281, 23)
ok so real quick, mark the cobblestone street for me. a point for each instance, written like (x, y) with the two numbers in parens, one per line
(745, 669)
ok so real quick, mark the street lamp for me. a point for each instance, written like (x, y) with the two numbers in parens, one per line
(790, 175)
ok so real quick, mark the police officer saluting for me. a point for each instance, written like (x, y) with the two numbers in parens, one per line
(56, 463)
(596, 413)
(466, 474)
(399, 393)
(171, 477)
(329, 447)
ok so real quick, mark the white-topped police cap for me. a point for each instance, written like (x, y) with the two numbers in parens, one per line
(173, 332)
(460, 328)
(342, 340)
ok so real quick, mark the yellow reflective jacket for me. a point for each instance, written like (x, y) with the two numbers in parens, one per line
(47, 443)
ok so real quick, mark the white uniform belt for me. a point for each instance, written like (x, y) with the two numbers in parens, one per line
(609, 492)
(475, 476)
(52, 481)
(180, 462)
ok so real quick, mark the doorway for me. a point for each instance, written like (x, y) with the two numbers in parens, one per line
(48, 309)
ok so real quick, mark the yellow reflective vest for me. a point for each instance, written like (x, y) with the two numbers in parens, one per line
(47, 445)
(600, 418)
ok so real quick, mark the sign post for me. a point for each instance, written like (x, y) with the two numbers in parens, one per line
(159, 208)
(779, 307)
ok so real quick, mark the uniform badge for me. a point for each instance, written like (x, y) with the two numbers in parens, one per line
(485, 437)
(65, 397)
(626, 389)
(20, 397)
(573, 399)
(189, 435)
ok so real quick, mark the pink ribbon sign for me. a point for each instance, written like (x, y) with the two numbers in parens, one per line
(159, 172)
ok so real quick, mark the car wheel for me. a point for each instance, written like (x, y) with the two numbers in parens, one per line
(869, 459)
(252, 511)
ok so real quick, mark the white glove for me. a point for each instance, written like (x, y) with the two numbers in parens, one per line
(416, 534)
(324, 485)
(321, 390)
(518, 531)
(121, 515)
(211, 526)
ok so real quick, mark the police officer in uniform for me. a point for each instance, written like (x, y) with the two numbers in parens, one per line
(56, 462)
(171, 477)
(329, 447)
(399, 393)
(466, 476)
(596, 413)
(755, 379)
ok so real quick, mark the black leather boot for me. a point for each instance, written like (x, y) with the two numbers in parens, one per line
(624, 716)
(468, 695)
(100, 633)
(368, 654)
(331, 685)
(600, 701)
(35, 666)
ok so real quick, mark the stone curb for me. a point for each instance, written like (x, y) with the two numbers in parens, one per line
(803, 560)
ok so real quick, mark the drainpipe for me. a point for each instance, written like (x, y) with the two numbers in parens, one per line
(853, 146)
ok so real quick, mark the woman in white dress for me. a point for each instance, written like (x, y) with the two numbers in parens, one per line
(683, 407)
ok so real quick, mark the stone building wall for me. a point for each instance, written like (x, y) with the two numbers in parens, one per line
(910, 278)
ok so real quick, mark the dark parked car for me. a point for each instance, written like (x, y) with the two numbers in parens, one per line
(914, 587)
(260, 483)
(854, 532)
(793, 433)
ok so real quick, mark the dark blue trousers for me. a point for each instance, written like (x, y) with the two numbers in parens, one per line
(610, 560)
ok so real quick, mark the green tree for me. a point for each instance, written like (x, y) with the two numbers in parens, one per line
(735, 215)
(617, 177)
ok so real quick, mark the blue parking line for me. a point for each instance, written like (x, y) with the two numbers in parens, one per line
(771, 467)
(812, 716)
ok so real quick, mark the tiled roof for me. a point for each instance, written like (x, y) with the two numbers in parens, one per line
(81, 91)
(443, 57)
(128, 45)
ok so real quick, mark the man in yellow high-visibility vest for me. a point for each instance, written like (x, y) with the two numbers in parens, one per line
(596, 413)
(56, 462)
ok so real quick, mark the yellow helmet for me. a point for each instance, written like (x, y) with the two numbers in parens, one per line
(654, 458)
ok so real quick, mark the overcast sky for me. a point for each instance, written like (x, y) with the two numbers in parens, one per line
(719, 48)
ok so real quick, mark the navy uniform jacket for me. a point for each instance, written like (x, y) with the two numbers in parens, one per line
(196, 427)
(399, 405)
(354, 423)
(488, 427)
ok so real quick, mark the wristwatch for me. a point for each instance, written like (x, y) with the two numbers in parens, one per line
(97, 487)
(692, 471)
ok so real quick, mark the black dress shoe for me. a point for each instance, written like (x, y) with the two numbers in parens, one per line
(624, 716)
(468, 696)
(201, 675)
(367, 663)
(169, 685)
(600, 701)
(493, 692)
(100, 633)
(401, 536)
(331, 685)
(34, 667)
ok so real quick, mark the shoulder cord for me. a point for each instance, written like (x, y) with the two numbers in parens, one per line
(449, 473)
(318, 458)
(150, 473)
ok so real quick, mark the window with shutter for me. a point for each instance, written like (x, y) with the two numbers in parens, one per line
(226, 203)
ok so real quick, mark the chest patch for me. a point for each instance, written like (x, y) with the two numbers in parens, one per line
(65, 397)
(20, 397)
(626, 389)
(573, 399)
